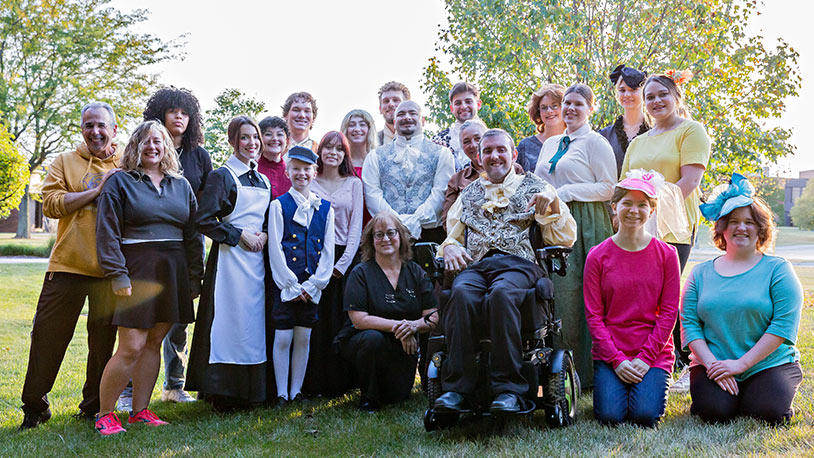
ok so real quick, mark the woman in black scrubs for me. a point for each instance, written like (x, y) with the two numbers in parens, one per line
(389, 300)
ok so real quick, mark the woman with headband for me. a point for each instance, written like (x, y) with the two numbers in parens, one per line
(628, 83)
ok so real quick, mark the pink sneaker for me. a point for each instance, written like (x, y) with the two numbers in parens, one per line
(147, 417)
(109, 424)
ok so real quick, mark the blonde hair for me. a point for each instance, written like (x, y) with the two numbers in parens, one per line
(131, 160)
(372, 141)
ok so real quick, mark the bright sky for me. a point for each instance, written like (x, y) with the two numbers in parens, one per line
(343, 51)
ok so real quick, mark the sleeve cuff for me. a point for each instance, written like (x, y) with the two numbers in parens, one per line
(289, 293)
(233, 238)
(120, 282)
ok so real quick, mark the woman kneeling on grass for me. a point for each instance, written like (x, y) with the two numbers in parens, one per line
(740, 316)
(148, 246)
(631, 303)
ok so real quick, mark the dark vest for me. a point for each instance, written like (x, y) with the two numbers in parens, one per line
(302, 246)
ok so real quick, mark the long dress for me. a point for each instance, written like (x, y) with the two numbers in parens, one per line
(584, 177)
(328, 374)
(228, 355)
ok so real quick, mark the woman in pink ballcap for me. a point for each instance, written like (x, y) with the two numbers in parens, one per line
(631, 291)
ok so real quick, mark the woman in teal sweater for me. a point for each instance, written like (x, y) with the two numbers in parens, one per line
(740, 316)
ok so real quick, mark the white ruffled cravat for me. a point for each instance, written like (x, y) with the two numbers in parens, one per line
(407, 151)
(305, 207)
(497, 195)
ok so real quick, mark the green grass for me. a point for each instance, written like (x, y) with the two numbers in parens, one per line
(39, 245)
(335, 427)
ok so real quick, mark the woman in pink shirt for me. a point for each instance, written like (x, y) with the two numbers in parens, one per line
(631, 291)
(336, 182)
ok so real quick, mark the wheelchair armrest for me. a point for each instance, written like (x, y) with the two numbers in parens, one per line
(554, 259)
(425, 257)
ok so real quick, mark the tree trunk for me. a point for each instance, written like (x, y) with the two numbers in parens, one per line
(23, 228)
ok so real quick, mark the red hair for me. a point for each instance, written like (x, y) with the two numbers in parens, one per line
(333, 138)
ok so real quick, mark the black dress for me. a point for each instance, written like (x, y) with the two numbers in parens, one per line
(384, 371)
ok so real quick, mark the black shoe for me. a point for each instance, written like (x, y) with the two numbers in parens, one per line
(300, 398)
(281, 402)
(509, 403)
(33, 419)
(82, 415)
(452, 402)
(369, 405)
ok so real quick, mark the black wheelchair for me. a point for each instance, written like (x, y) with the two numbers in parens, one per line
(550, 373)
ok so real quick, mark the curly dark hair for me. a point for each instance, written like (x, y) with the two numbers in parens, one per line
(172, 97)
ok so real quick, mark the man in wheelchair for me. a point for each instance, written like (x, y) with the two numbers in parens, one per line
(488, 243)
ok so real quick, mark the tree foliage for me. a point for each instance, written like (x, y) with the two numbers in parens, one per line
(773, 191)
(228, 104)
(14, 174)
(57, 55)
(802, 213)
(510, 48)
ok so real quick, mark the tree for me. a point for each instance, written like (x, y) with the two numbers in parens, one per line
(773, 191)
(228, 104)
(56, 55)
(802, 213)
(510, 48)
(13, 174)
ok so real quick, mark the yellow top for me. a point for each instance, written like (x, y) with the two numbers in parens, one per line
(666, 153)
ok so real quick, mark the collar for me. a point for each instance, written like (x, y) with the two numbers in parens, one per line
(270, 163)
(307, 142)
(238, 166)
(469, 172)
(414, 142)
(581, 132)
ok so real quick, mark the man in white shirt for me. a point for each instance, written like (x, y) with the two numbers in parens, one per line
(464, 103)
(391, 94)
(300, 112)
(409, 176)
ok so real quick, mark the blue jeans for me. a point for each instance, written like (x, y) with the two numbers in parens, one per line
(615, 401)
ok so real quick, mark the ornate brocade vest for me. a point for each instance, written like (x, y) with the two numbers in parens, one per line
(404, 192)
(507, 228)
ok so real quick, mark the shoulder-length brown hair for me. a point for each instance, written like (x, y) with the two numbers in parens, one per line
(555, 91)
(131, 159)
(367, 247)
(761, 214)
(233, 131)
(335, 137)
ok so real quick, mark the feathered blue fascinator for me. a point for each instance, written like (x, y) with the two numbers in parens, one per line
(739, 193)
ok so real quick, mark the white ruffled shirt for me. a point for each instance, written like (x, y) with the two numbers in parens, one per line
(285, 279)
(428, 214)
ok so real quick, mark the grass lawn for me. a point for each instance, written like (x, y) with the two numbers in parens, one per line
(335, 427)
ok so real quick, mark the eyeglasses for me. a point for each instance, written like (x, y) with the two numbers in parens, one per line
(390, 233)
(553, 107)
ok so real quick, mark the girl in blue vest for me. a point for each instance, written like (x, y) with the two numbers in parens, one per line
(301, 254)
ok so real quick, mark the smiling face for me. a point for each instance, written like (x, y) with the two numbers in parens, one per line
(575, 110)
(248, 143)
(633, 209)
(659, 101)
(176, 121)
(464, 106)
(357, 130)
(98, 130)
(300, 116)
(152, 150)
(741, 232)
(497, 157)
(332, 154)
(550, 112)
(388, 103)
(301, 174)
(275, 141)
(386, 239)
(628, 97)
(408, 118)
(470, 139)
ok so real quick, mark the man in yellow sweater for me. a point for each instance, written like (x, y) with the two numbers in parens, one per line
(69, 194)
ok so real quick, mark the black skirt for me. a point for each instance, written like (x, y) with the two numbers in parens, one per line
(160, 280)
(327, 373)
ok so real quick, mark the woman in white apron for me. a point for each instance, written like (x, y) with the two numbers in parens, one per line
(228, 356)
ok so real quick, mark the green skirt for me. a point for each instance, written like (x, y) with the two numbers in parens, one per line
(593, 227)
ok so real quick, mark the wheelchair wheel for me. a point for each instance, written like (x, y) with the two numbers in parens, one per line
(436, 421)
(562, 392)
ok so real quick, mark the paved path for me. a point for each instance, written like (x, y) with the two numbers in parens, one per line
(22, 260)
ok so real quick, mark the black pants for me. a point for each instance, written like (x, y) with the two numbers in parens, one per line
(487, 296)
(682, 357)
(61, 301)
(766, 395)
(385, 372)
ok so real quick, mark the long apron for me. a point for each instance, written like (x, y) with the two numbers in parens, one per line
(238, 333)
